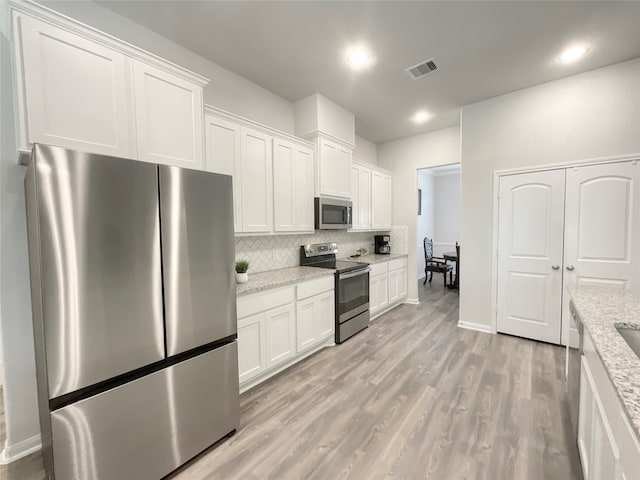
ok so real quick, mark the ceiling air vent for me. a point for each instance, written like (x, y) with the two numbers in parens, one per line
(422, 69)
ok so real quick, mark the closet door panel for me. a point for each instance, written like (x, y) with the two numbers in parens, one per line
(530, 255)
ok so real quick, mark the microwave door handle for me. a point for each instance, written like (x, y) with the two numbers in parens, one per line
(349, 215)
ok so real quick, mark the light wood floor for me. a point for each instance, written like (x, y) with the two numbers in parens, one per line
(413, 396)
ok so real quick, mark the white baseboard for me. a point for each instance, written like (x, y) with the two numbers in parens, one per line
(412, 301)
(421, 276)
(479, 327)
(11, 453)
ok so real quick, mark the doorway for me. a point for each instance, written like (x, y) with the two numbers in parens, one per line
(438, 220)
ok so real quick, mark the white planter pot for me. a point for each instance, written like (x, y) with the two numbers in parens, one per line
(242, 277)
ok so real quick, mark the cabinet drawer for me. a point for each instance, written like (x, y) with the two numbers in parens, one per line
(379, 268)
(259, 302)
(315, 287)
(397, 263)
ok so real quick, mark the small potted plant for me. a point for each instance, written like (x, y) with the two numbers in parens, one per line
(241, 271)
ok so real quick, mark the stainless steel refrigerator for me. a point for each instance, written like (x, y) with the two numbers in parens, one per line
(134, 313)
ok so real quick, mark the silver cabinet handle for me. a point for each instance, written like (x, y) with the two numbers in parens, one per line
(570, 268)
(555, 267)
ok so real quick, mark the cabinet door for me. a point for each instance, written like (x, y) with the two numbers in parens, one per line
(284, 188)
(361, 197)
(281, 339)
(342, 172)
(381, 201)
(303, 177)
(326, 314)
(402, 283)
(355, 197)
(327, 157)
(394, 287)
(252, 355)
(378, 291)
(585, 421)
(76, 91)
(257, 203)
(364, 198)
(307, 318)
(222, 140)
(168, 118)
(335, 169)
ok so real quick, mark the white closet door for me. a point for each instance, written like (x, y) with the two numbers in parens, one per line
(530, 255)
(602, 232)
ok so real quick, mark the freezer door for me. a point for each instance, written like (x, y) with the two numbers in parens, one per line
(98, 235)
(198, 251)
(149, 427)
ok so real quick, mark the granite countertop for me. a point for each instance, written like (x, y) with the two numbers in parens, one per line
(279, 278)
(373, 258)
(601, 309)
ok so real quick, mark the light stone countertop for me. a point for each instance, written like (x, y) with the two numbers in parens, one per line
(601, 309)
(374, 258)
(261, 281)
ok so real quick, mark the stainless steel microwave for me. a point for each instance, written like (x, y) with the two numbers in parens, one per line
(332, 213)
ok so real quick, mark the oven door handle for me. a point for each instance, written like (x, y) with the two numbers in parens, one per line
(344, 276)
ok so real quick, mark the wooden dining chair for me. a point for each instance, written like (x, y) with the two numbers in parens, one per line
(434, 264)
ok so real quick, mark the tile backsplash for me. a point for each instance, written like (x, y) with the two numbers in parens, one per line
(281, 251)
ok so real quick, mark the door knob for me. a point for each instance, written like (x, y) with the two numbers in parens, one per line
(555, 267)
(570, 267)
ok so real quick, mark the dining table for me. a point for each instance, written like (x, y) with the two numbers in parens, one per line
(452, 257)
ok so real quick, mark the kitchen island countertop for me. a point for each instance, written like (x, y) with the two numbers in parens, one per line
(601, 310)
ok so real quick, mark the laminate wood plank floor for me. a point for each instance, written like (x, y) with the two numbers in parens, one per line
(413, 396)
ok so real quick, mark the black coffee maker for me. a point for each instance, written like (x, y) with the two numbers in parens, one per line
(382, 246)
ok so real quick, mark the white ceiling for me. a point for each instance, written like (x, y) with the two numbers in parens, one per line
(483, 49)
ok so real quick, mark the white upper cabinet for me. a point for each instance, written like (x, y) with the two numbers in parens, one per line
(256, 177)
(292, 187)
(222, 142)
(72, 92)
(273, 173)
(81, 89)
(168, 118)
(381, 201)
(334, 167)
(361, 196)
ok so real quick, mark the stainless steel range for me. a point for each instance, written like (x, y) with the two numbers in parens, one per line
(352, 287)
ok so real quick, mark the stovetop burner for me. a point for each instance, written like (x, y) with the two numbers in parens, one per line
(323, 255)
(340, 266)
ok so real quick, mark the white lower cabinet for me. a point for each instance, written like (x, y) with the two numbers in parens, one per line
(315, 320)
(265, 340)
(281, 334)
(387, 285)
(608, 447)
(279, 327)
(397, 285)
(378, 293)
(252, 358)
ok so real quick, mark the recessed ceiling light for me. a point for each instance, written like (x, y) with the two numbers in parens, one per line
(357, 58)
(572, 54)
(421, 117)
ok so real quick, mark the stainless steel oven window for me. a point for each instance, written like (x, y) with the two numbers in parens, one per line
(352, 293)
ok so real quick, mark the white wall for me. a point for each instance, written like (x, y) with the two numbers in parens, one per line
(20, 400)
(446, 211)
(425, 221)
(226, 90)
(594, 114)
(404, 157)
(365, 151)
